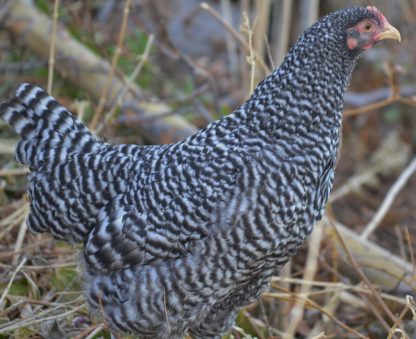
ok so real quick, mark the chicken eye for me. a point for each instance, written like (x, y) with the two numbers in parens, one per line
(368, 26)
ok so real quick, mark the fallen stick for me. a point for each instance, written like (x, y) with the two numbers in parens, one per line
(381, 267)
(358, 99)
(388, 199)
(89, 72)
(390, 158)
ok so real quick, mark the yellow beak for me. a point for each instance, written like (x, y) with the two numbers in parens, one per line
(390, 32)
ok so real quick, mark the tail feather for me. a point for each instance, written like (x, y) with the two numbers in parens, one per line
(54, 145)
(15, 115)
(48, 130)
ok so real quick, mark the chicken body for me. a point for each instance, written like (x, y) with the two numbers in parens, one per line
(178, 237)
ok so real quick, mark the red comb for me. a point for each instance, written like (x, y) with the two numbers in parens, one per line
(376, 11)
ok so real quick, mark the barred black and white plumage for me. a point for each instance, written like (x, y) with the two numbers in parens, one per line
(178, 237)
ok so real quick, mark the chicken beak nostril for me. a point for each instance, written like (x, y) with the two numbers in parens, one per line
(390, 32)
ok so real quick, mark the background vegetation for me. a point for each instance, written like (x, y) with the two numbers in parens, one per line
(154, 71)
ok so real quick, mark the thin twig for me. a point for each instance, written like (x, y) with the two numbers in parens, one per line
(142, 60)
(359, 270)
(313, 304)
(13, 172)
(333, 287)
(269, 52)
(12, 307)
(410, 301)
(166, 310)
(101, 103)
(95, 332)
(13, 219)
(371, 107)
(20, 237)
(263, 9)
(283, 311)
(33, 321)
(89, 331)
(52, 47)
(229, 40)
(389, 198)
(251, 58)
(412, 255)
(34, 301)
(296, 314)
(394, 95)
(39, 268)
(373, 307)
(267, 326)
(235, 34)
(18, 213)
(395, 326)
(360, 99)
(7, 146)
(9, 285)
(5, 254)
(259, 323)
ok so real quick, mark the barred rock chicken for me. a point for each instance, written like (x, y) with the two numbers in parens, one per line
(178, 237)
